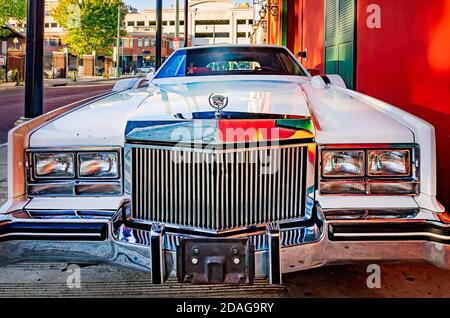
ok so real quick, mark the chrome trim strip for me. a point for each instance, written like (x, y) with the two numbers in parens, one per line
(158, 263)
(394, 234)
(273, 255)
(96, 235)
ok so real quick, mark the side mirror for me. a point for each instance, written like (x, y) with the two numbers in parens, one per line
(150, 76)
(322, 81)
(314, 71)
(302, 54)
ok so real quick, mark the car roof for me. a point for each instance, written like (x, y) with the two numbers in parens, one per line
(232, 46)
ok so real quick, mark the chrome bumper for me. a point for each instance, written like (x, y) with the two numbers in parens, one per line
(107, 237)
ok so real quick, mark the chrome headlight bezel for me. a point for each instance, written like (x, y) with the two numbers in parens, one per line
(370, 184)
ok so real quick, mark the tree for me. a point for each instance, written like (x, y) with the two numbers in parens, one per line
(11, 10)
(90, 25)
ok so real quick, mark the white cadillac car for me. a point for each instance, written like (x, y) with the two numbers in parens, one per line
(229, 163)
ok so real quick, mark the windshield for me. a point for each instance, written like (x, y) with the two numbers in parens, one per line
(231, 61)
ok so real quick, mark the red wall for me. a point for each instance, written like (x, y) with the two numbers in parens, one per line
(311, 23)
(407, 63)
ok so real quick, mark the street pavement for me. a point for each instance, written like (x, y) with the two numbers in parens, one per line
(41, 280)
(12, 100)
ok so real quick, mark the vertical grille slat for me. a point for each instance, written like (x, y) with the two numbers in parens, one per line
(218, 190)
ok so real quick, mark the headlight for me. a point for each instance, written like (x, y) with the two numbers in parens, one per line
(54, 165)
(389, 163)
(98, 165)
(343, 163)
(370, 171)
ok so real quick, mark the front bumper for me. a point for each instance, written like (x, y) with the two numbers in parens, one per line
(107, 237)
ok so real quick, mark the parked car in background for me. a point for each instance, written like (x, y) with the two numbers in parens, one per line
(146, 69)
(230, 163)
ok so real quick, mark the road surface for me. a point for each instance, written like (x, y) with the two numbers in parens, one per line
(12, 101)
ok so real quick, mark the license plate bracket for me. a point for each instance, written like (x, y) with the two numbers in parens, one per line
(215, 261)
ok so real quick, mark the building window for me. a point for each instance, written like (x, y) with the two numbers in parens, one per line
(212, 22)
(139, 42)
(181, 22)
(241, 35)
(130, 23)
(212, 35)
(152, 23)
(147, 42)
(47, 25)
(240, 21)
(140, 23)
(52, 42)
(45, 42)
(54, 25)
(172, 22)
(128, 42)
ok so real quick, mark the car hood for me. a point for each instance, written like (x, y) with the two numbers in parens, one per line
(105, 122)
(337, 117)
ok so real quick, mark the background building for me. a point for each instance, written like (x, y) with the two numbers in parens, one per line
(210, 22)
(397, 51)
(12, 54)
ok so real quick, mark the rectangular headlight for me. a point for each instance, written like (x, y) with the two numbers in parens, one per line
(54, 165)
(348, 163)
(98, 165)
(389, 163)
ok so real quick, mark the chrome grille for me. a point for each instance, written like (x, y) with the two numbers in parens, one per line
(218, 189)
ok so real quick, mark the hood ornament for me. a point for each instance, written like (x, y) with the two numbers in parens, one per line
(218, 102)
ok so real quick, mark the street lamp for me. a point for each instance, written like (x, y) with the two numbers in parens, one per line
(270, 6)
(264, 25)
(255, 26)
(263, 12)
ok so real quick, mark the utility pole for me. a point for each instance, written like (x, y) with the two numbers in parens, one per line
(118, 42)
(177, 18)
(186, 22)
(158, 57)
(34, 79)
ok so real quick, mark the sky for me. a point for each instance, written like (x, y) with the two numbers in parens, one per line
(145, 4)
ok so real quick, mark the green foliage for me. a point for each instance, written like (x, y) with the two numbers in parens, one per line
(2, 74)
(90, 25)
(13, 75)
(11, 10)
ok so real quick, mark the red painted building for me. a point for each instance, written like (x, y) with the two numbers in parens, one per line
(395, 50)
